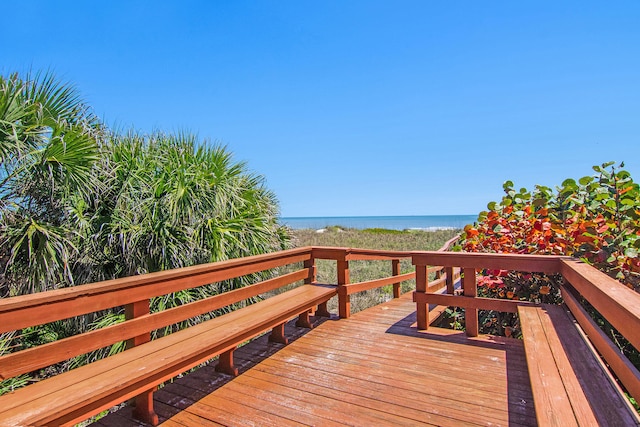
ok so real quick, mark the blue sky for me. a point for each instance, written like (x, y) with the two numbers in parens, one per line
(359, 107)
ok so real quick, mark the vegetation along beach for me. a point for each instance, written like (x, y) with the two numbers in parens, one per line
(366, 213)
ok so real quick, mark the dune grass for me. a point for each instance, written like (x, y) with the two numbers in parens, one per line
(361, 271)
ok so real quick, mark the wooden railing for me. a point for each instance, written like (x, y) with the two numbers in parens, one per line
(134, 293)
(343, 256)
(618, 304)
(434, 273)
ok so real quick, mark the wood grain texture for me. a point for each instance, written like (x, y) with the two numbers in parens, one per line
(530, 263)
(553, 404)
(422, 283)
(600, 377)
(503, 305)
(43, 307)
(39, 357)
(570, 385)
(395, 271)
(470, 290)
(362, 372)
(353, 288)
(617, 303)
(70, 397)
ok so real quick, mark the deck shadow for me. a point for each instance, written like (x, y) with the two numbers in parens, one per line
(189, 388)
(520, 397)
(407, 327)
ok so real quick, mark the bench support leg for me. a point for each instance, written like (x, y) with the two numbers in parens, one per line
(277, 335)
(144, 408)
(225, 363)
(304, 321)
(322, 310)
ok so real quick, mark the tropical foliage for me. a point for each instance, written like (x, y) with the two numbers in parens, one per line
(596, 219)
(48, 145)
(80, 203)
(168, 202)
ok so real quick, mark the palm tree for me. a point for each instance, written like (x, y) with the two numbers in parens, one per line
(171, 201)
(48, 145)
(80, 204)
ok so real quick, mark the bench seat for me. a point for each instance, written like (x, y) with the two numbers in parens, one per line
(570, 384)
(78, 394)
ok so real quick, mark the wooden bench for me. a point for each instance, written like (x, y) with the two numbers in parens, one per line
(78, 394)
(570, 384)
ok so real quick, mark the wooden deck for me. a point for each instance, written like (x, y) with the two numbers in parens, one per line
(374, 368)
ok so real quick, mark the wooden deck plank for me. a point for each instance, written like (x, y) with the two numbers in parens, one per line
(372, 369)
(553, 406)
(579, 402)
(386, 384)
(189, 419)
(329, 408)
(343, 361)
(232, 413)
(594, 394)
(415, 405)
(291, 413)
(483, 357)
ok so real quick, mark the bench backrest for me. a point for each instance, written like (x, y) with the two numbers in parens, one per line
(618, 304)
(134, 294)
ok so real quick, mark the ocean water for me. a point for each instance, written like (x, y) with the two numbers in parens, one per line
(425, 222)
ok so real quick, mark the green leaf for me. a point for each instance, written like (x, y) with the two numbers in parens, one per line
(586, 180)
(623, 174)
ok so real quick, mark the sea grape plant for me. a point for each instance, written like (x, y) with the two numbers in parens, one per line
(595, 219)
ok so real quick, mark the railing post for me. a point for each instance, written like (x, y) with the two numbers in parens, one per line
(144, 410)
(449, 280)
(470, 289)
(344, 299)
(422, 311)
(310, 265)
(395, 267)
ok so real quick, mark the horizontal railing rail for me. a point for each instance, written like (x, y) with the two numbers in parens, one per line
(44, 307)
(618, 304)
(343, 256)
(134, 294)
(435, 271)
